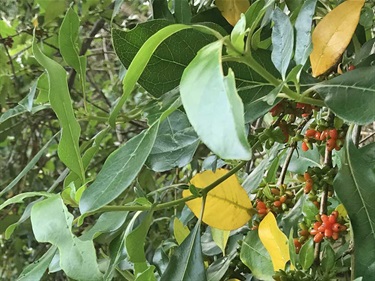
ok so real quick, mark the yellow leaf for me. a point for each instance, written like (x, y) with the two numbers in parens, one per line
(275, 241)
(180, 231)
(227, 205)
(342, 211)
(333, 34)
(232, 9)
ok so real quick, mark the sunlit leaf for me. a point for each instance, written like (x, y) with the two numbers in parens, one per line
(52, 223)
(275, 241)
(333, 34)
(232, 9)
(213, 106)
(220, 237)
(227, 205)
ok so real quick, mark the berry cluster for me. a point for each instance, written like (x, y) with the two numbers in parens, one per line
(288, 107)
(316, 178)
(327, 227)
(304, 234)
(333, 138)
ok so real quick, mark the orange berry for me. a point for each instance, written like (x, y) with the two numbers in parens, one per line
(283, 199)
(336, 227)
(318, 237)
(324, 218)
(328, 233)
(317, 224)
(314, 231)
(351, 67)
(304, 146)
(335, 214)
(277, 203)
(310, 133)
(262, 211)
(333, 134)
(304, 232)
(323, 135)
(331, 144)
(261, 205)
(317, 135)
(335, 235)
(332, 219)
(306, 176)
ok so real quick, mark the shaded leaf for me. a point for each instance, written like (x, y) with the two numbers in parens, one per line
(354, 185)
(175, 144)
(351, 95)
(227, 205)
(332, 35)
(119, 170)
(255, 256)
(213, 106)
(232, 9)
(51, 222)
(306, 254)
(219, 267)
(186, 262)
(182, 11)
(275, 241)
(36, 270)
(20, 197)
(301, 160)
(282, 41)
(59, 97)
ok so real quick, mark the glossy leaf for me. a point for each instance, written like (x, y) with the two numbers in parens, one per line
(232, 9)
(275, 241)
(351, 95)
(182, 11)
(354, 185)
(227, 205)
(303, 27)
(282, 41)
(256, 258)
(36, 270)
(169, 58)
(180, 231)
(68, 43)
(333, 34)
(219, 267)
(213, 106)
(186, 262)
(119, 170)
(175, 144)
(20, 197)
(51, 222)
(301, 160)
(68, 149)
(220, 237)
(107, 222)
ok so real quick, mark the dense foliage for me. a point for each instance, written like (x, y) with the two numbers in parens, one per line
(187, 140)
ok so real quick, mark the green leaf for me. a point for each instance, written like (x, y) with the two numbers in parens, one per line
(301, 160)
(237, 37)
(293, 216)
(116, 253)
(220, 237)
(213, 106)
(282, 41)
(36, 270)
(29, 166)
(107, 222)
(51, 222)
(169, 59)
(52, 9)
(255, 257)
(219, 267)
(20, 197)
(61, 104)
(135, 241)
(186, 262)
(303, 27)
(306, 255)
(119, 170)
(354, 185)
(175, 144)
(160, 10)
(309, 210)
(182, 11)
(329, 259)
(68, 43)
(25, 215)
(292, 249)
(180, 231)
(351, 95)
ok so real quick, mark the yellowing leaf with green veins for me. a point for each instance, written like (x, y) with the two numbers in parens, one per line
(333, 34)
(275, 241)
(232, 9)
(180, 231)
(227, 205)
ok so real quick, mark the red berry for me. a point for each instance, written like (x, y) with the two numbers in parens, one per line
(283, 199)
(314, 231)
(261, 205)
(332, 219)
(323, 135)
(318, 237)
(336, 227)
(304, 146)
(335, 214)
(277, 203)
(310, 133)
(335, 235)
(333, 134)
(304, 232)
(317, 135)
(331, 144)
(351, 67)
(262, 211)
(317, 224)
(328, 233)
(306, 176)
(322, 228)
(324, 218)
